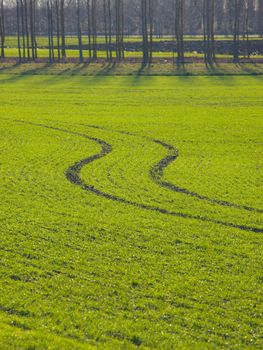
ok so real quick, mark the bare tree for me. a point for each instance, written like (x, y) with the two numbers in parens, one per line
(119, 29)
(23, 28)
(50, 31)
(62, 30)
(106, 30)
(18, 21)
(208, 27)
(110, 29)
(32, 28)
(2, 28)
(148, 18)
(89, 28)
(151, 20)
(94, 28)
(145, 38)
(79, 32)
(237, 18)
(179, 29)
(58, 28)
(26, 28)
(260, 18)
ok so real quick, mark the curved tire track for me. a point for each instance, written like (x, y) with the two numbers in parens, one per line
(157, 171)
(73, 175)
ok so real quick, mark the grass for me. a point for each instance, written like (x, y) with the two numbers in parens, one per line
(82, 271)
(70, 53)
(42, 41)
(11, 50)
(44, 53)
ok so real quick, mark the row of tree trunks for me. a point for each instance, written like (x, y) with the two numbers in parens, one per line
(26, 38)
(55, 15)
(113, 18)
(147, 30)
(208, 26)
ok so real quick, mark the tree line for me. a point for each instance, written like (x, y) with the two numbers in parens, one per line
(115, 19)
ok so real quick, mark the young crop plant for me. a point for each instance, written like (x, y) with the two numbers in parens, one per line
(131, 209)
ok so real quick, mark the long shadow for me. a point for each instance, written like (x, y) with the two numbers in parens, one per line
(77, 70)
(143, 71)
(15, 76)
(8, 68)
(180, 69)
(81, 67)
(108, 69)
(73, 175)
(251, 72)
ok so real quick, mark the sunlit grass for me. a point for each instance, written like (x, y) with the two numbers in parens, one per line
(82, 271)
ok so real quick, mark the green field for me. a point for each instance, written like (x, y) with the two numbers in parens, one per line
(42, 41)
(44, 53)
(131, 211)
(11, 50)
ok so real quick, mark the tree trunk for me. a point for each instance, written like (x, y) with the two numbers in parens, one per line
(179, 30)
(18, 29)
(237, 12)
(79, 32)
(32, 31)
(208, 27)
(50, 31)
(260, 18)
(62, 23)
(151, 30)
(110, 30)
(144, 31)
(23, 29)
(94, 28)
(106, 28)
(58, 28)
(89, 28)
(117, 29)
(27, 30)
(2, 29)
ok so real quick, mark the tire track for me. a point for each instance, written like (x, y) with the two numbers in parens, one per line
(156, 173)
(73, 175)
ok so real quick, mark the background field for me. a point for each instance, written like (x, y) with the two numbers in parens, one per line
(42, 41)
(82, 271)
(165, 49)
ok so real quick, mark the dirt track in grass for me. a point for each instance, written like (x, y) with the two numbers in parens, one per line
(157, 172)
(73, 175)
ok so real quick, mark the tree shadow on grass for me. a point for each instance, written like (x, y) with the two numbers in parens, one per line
(15, 75)
(247, 70)
(108, 69)
(143, 71)
(99, 75)
(97, 72)
(78, 69)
